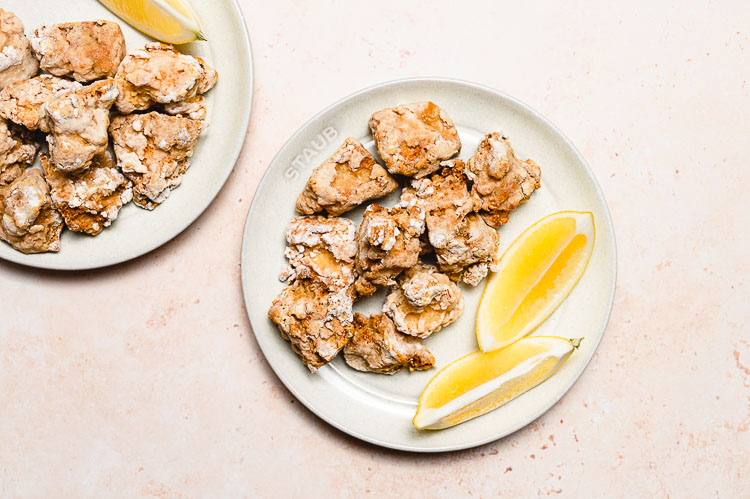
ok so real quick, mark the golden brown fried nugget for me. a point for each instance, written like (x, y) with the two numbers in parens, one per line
(413, 139)
(377, 347)
(347, 179)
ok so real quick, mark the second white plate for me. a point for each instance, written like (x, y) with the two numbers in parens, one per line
(137, 231)
(379, 408)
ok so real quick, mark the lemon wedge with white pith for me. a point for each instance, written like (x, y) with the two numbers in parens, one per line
(171, 21)
(480, 382)
(536, 273)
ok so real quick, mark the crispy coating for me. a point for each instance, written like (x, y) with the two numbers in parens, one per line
(314, 312)
(388, 243)
(153, 150)
(158, 74)
(193, 108)
(89, 201)
(424, 302)
(23, 101)
(501, 180)
(321, 249)
(347, 179)
(78, 120)
(465, 246)
(413, 139)
(84, 51)
(377, 347)
(315, 321)
(17, 151)
(28, 219)
(17, 62)
(472, 253)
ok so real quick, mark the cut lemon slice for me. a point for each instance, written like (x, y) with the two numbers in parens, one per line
(171, 21)
(536, 273)
(480, 382)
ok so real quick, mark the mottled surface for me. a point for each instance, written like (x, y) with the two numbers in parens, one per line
(166, 394)
(84, 51)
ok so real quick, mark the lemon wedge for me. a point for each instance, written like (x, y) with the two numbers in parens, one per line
(171, 21)
(479, 382)
(536, 273)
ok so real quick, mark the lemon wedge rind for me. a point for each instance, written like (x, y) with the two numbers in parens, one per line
(519, 378)
(171, 21)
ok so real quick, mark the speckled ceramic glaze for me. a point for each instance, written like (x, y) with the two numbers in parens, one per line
(137, 231)
(379, 408)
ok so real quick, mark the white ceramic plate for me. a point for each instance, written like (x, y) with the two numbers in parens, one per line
(379, 408)
(137, 231)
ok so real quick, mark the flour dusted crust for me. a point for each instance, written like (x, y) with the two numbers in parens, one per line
(413, 139)
(90, 201)
(314, 311)
(377, 347)
(84, 51)
(465, 246)
(501, 181)
(316, 322)
(28, 219)
(424, 301)
(22, 102)
(17, 62)
(78, 121)
(321, 249)
(17, 151)
(388, 243)
(158, 74)
(153, 150)
(193, 108)
(347, 179)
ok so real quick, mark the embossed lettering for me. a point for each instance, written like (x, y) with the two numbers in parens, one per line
(303, 160)
(308, 154)
(330, 133)
(291, 173)
(297, 162)
(319, 138)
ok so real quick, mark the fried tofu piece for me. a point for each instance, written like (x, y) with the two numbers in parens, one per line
(321, 249)
(472, 252)
(17, 62)
(443, 195)
(424, 302)
(28, 219)
(377, 347)
(84, 51)
(387, 243)
(17, 151)
(347, 179)
(314, 311)
(158, 74)
(413, 139)
(501, 180)
(22, 102)
(465, 246)
(153, 150)
(89, 201)
(315, 321)
(78, 120)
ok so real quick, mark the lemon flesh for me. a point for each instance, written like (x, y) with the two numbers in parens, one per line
(480, 382)
(535, 275)
(171, 21)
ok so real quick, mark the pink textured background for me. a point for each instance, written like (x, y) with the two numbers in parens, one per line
(145, 379)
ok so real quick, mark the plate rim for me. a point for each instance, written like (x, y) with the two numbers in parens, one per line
(27, 260)
(545, 407)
